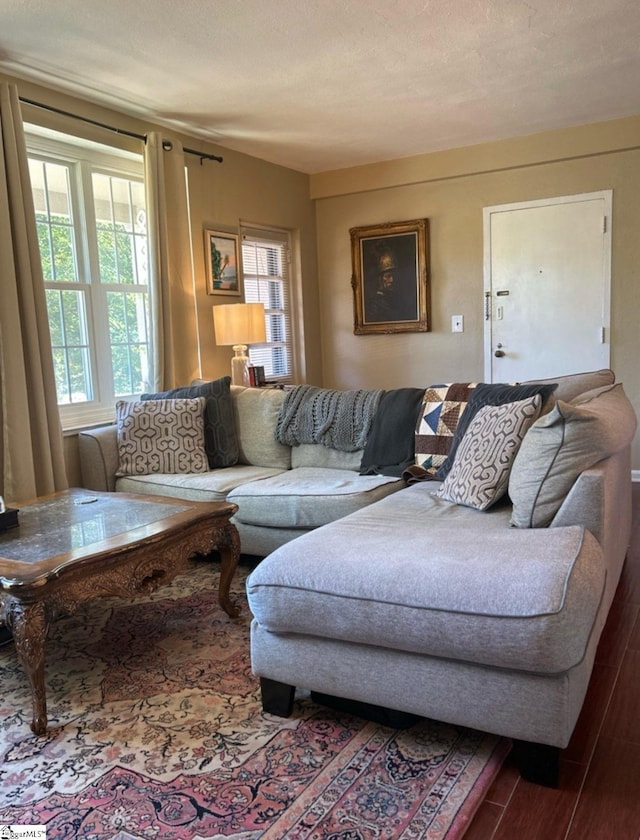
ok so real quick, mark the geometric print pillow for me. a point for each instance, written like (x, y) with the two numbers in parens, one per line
(442, 407)
(161, 436)
(491, 393)
(220, 439)
(479, 475)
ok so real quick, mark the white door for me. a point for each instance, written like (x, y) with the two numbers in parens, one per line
(547, 287)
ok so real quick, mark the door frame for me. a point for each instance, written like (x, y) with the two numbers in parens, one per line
(487, 212)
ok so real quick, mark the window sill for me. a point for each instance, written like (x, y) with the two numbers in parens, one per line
(71, 431)
(79, 421)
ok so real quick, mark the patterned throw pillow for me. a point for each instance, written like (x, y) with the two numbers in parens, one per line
(442, 407)
(161, 436)
(479, 476)
(220, 439)
(495, 393)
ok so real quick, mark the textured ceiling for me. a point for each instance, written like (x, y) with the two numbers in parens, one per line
(328, 84)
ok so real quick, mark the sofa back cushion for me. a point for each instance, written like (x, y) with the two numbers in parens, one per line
(560, 445)
(574, 384)
(317, 455)
(338, 419)
(256, 415)
(161, 436)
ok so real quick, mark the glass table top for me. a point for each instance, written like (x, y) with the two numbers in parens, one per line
(76, 520)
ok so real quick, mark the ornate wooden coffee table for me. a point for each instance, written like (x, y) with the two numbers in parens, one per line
(77, 545)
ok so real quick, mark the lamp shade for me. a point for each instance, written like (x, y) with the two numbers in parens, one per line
(239, 323)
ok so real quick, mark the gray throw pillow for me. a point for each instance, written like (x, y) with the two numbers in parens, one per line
(490, 394)
(480, 473)
(220, 438)
(160, 436)
(571, 438)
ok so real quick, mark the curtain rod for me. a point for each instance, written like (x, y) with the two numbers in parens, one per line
(167, 145)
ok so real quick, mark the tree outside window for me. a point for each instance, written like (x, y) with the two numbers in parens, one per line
(91, 222)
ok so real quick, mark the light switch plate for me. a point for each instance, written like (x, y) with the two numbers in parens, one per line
(457, 323)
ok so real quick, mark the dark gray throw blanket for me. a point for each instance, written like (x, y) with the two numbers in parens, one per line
(338, 419)
(391, 444)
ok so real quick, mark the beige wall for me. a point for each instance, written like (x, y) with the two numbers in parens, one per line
(451, 189)
(249, 190)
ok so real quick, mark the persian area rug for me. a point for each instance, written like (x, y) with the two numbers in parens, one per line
(156, 732)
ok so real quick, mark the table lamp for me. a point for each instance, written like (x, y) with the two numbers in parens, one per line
(239, 324)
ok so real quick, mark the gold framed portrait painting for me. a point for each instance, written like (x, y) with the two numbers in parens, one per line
(390, 278)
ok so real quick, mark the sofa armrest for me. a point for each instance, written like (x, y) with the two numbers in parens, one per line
(98, 450)
(600, 500)
(584, 504)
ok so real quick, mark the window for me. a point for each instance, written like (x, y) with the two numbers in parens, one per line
(91, 222)
(266, 275)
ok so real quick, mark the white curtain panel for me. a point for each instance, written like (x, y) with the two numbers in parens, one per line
(170, 262)
(31, 447)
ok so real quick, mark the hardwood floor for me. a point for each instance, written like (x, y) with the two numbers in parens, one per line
(599, 793)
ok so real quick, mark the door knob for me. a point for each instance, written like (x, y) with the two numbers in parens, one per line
(499, 353)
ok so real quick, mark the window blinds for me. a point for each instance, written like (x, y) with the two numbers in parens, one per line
(266, 276)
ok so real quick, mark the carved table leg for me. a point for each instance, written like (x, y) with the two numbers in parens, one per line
(29, 625)
(228, 544)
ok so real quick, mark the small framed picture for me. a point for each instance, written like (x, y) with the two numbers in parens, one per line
(221, 256)
(390, 277)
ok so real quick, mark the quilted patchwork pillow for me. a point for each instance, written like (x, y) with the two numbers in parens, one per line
(480, 473)
(442, 407)
(161, 436)
(220, 438)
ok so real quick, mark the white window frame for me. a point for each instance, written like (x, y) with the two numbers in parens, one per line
(278, 236)
(84, 158)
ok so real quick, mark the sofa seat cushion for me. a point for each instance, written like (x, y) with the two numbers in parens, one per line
(212, 486)
(507, 598)
(308, 497)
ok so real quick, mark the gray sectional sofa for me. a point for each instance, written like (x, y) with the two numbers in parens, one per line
(281, 491)
(396, 597)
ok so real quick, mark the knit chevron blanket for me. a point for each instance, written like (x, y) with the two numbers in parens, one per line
(337, 419)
